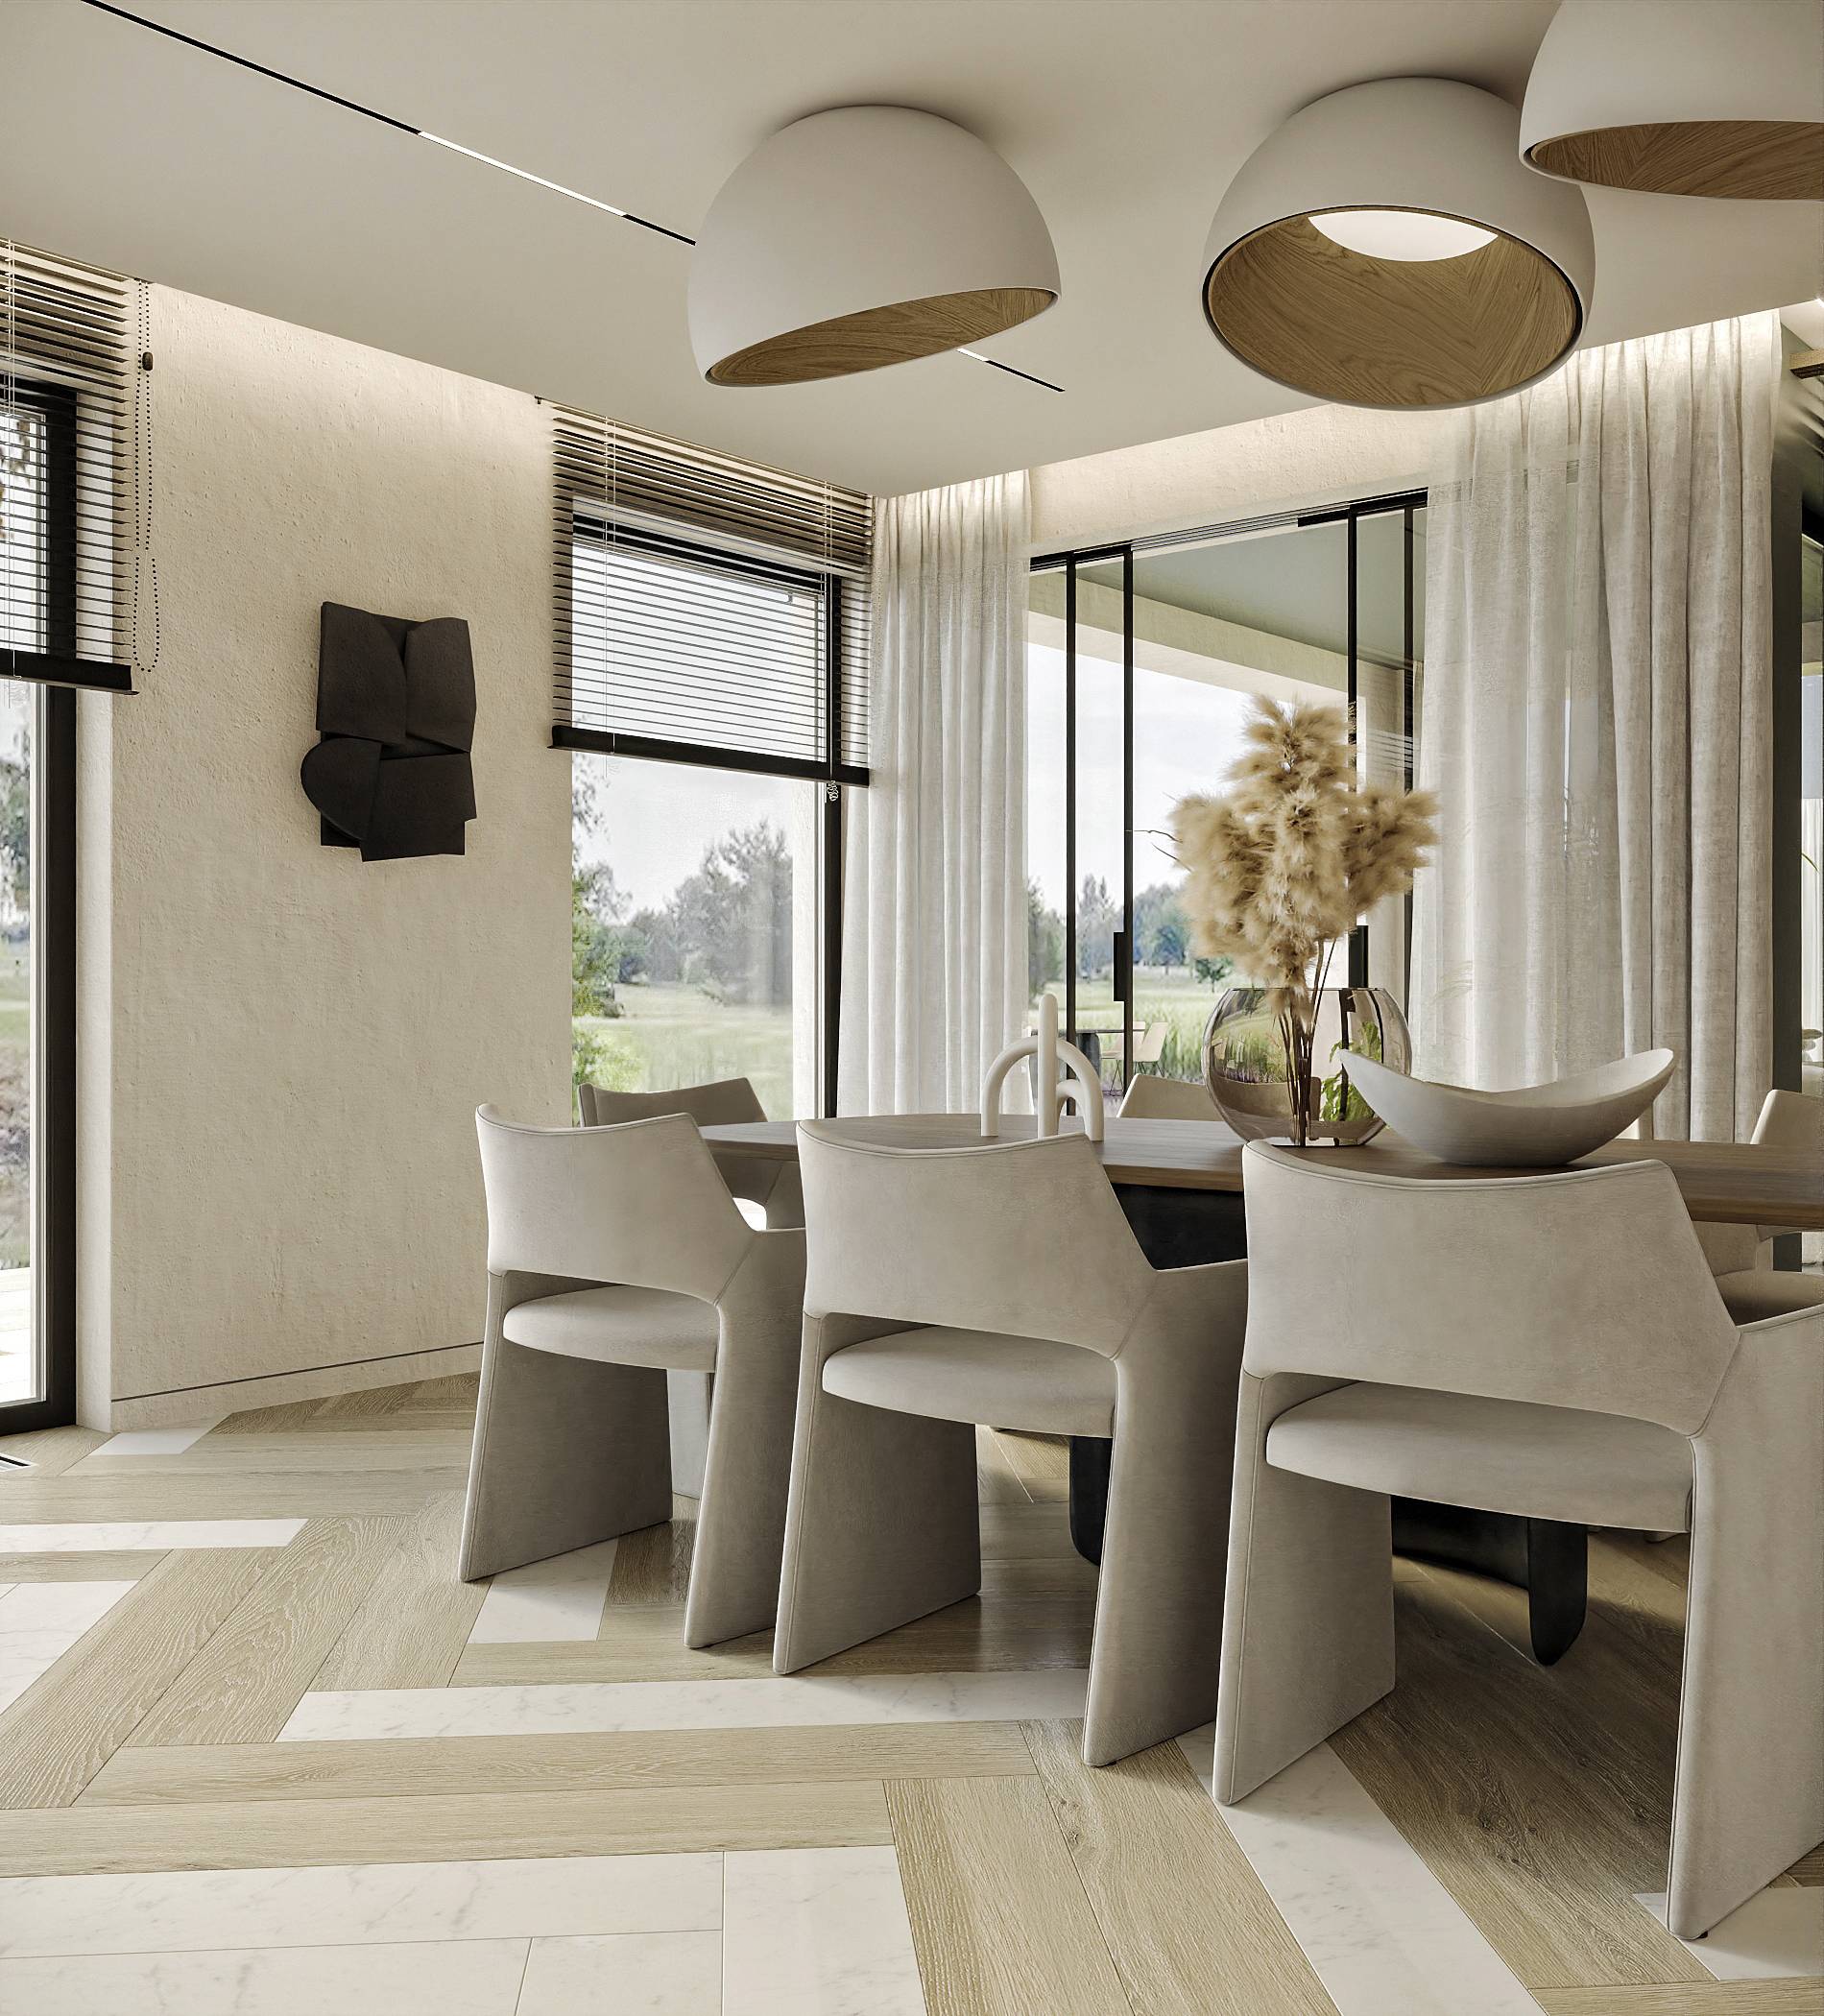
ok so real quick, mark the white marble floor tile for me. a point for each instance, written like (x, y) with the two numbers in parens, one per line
(151, 1442)
(640, 1974)
(1381, 1934)
(817, 1929)
(126, 1535)
(472, 1977)
(39, 1621)
(547, 1600)
(1773, 1937)
(1048, 1695)
(373, 1903)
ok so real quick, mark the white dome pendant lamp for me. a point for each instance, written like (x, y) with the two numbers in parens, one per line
(1386, 247)
(1682, 97)
(861, 237)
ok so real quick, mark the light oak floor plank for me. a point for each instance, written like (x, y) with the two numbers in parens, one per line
(49, 1451)
(394, 1767)
(1770, 1997)
(415, 1620)
(243, 1685)
(1539, 1797)
(1000, 1917)
(647, 1643)
(1145, 1838)
(64, 1728)
(453, 1389)
(996, 1481)
(126, 1492)
(362, 1405)
(268, 1421)
(297, 1833)
(306, 1452)
(1016, 1532)
(77, 1565)
(651, 1566)
(1809, 1869)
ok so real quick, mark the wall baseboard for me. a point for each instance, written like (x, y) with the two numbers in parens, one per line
(276, 1389)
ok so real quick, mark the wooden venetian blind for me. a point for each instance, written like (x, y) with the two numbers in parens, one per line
(707, 610)
(72, 508)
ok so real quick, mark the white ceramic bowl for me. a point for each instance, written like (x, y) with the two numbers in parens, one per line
(1535, 1127)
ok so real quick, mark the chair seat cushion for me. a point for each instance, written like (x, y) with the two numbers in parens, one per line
(620, 1326)
(1497, 1455)
(980, 1375)
(1757, 1293)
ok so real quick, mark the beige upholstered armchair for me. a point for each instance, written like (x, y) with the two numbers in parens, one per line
(1553, 1346)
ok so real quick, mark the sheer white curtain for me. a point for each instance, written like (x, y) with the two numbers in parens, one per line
(1596, 724)
(934, 916)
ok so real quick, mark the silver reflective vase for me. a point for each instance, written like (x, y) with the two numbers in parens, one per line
(1284, 1077)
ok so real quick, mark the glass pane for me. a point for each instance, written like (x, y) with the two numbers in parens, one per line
(695, 930)
(1389, 642)
(1812, 846)
(1213, 625)
(1101, 814)
(21, 1363)
(1045, 881)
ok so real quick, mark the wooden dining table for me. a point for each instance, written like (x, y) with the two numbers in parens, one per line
(1180, 1182)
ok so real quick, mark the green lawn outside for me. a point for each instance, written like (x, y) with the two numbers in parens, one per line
(16, 1097)
(673, 1036)
(1173, 995)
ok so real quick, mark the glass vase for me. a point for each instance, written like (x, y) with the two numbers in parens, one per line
(1281, 1075)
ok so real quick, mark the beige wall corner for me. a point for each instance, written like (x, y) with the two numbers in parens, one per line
(283, 1048)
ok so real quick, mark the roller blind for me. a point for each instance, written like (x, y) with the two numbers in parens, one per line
(707, 610)
(71, 507)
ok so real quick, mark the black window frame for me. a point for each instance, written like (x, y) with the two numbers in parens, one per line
(831, 771)
(1407, 504)
(53, 1000)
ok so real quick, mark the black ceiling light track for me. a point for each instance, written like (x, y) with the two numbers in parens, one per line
(419, 133)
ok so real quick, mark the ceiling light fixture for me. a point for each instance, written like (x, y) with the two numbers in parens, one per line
(1681, 97)
(861, 237)
(1408, 235)
(1386, 247)
(474, 154)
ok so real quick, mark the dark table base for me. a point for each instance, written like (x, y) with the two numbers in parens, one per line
(1542, 1556)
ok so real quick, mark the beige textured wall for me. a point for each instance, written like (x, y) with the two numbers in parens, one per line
(282, 1046)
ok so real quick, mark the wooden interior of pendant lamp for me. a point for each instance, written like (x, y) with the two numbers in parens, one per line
(891, 335)
(1390, 332)
(1782, 160)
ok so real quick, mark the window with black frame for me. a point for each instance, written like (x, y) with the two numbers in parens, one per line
(38, 529)
(1142, 662)
(710, 686)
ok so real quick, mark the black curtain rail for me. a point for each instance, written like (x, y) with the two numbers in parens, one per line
(1364, 508)
(703, 755)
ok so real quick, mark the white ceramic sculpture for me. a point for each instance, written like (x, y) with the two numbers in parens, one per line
(1081, 1084)
(1535, 1126)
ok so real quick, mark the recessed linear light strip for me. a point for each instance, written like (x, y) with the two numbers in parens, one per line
(417, 133)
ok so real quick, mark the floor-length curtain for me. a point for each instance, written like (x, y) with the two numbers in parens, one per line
(934, 921)
(1597, 726)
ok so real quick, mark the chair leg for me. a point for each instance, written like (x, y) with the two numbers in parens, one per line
(883, 1527)
(1307, 1623)
(1158, 1644)
(567, 1451)
(689, 1397)
(1748, 1798)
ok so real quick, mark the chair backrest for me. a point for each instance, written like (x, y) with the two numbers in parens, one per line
(641, 1204)
(1151, 1098)
(1581, 1288)
(725, 1103)
(1023, 1237)
(1789, 1119)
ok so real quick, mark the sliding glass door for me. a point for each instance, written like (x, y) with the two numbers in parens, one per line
(1142, 664)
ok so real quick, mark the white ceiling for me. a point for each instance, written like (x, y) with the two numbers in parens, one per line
(1125, 120)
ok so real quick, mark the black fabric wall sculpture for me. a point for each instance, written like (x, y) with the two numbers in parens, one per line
(395, 711)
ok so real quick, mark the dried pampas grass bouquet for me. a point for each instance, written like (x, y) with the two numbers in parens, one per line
(1297, 852)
